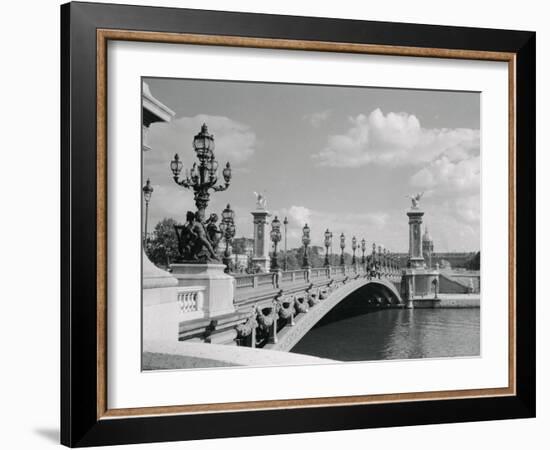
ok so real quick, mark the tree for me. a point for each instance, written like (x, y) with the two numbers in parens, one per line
(162, 249)
(473, 263)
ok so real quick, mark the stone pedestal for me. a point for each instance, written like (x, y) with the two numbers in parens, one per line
(159, 296)
(219, 287)
(260, 253)
(419, 284)
(416, 259)
(153, 277)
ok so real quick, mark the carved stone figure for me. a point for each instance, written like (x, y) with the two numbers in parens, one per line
(214, 233)
(194, 243)
(415, 199)
(185, 241)
(261, 201)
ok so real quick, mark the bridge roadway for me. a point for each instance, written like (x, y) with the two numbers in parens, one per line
(275, 310)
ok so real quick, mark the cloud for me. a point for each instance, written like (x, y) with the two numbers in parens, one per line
(455, 223)
(393, 139)
(299, 215)
(351, 224)
(316, 119)
(235, 142)
(446, 175)
(467, 209)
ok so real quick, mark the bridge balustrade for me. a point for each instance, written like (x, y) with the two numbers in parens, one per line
(264, 279)
(278, 280)
(294, 276)
(244, 281)
(319, 273)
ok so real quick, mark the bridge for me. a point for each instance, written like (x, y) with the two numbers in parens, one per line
(275, 310)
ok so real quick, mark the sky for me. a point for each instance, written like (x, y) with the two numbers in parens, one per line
(338, 157)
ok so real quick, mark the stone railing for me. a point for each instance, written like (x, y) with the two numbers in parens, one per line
(246, 283)
(190, 299)
(294, 276)
(276, 280)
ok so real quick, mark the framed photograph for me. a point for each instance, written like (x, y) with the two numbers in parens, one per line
(276, 224)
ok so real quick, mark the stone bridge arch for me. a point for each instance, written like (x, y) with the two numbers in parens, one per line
(289, 336)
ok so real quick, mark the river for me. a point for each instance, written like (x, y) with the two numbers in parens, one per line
(395, 334)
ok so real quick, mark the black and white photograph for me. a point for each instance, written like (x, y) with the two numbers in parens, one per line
(297, 224)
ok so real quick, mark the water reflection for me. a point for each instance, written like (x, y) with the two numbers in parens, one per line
(396, 334)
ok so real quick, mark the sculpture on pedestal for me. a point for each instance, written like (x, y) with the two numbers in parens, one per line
(194, 244)
(415, 199)
(261, 201)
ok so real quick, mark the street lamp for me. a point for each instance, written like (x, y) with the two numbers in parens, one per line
(306, 241)
(227, 227)
(331, 254)
(285, 223)
(275, 238)
(342, 247)
(328, 244)
(363, 248)
(353, 248)
(147, 191)
(203, 176)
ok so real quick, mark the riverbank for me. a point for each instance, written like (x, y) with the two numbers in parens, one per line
(448, 301)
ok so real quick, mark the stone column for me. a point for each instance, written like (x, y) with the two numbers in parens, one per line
(416, 260)
(159, 288)
(260, 253)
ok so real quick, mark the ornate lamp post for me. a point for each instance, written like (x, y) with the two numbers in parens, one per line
(363, 248)
(331, 254)
(203, 176)
(328, 244)
(285, 223)
(227, 227)
(306, 241)
(353, 248)
(342, 247)
(275, 238)
(147, 191)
